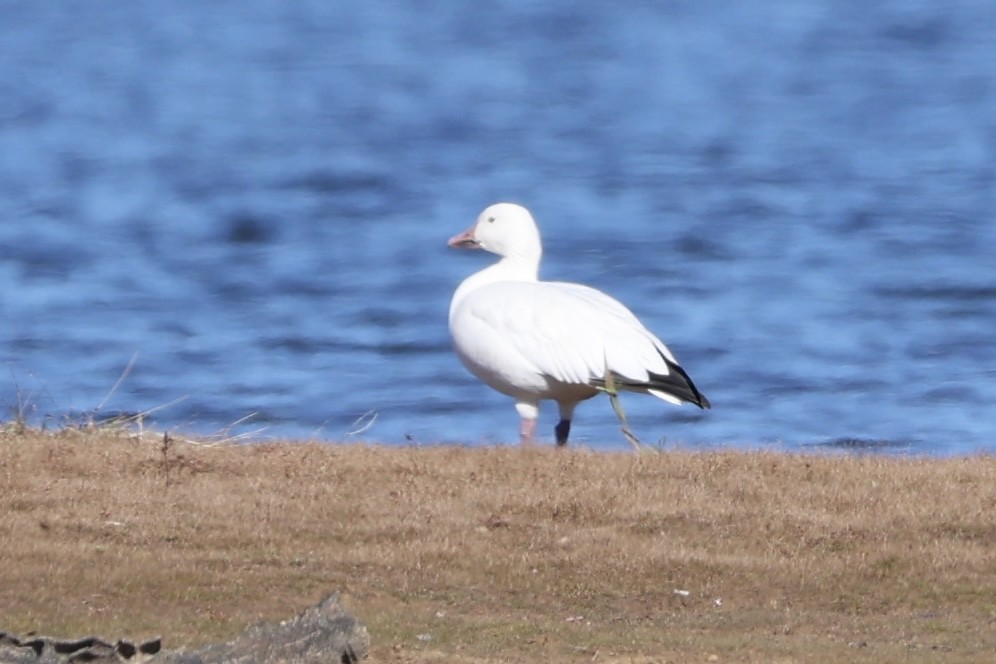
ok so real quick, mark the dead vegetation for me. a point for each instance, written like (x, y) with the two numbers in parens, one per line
(501, 554)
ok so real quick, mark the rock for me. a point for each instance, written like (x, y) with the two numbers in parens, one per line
(322, 633)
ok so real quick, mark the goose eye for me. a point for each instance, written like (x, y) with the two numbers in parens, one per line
(491, 220)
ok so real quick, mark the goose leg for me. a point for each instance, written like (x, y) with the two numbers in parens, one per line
(527, 425)
(527, 429)
(563, 430)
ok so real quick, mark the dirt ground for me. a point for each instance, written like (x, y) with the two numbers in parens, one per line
(504, 554)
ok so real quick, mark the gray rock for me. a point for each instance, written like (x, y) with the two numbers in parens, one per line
(322, 633)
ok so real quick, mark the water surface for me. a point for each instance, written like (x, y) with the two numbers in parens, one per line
(252, 199)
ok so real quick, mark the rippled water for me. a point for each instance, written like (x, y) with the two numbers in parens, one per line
(252, 199)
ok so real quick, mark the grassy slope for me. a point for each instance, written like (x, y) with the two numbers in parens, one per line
(505, 554)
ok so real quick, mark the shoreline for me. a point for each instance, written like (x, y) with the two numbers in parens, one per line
(504, 553)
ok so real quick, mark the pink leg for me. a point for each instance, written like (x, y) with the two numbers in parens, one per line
(527, 427)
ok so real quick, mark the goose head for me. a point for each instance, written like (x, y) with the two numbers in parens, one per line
(505, 229)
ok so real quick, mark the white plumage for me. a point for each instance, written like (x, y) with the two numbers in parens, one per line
(535, 340)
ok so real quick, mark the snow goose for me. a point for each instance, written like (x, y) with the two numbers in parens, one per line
(536, 340)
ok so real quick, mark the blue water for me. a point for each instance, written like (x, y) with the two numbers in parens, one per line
(252, 199)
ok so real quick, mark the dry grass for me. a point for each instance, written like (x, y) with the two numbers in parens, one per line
(505, 554)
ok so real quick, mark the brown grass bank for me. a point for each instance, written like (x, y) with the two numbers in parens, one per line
(505, 554)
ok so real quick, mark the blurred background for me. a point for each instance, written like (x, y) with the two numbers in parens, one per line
(247, 202)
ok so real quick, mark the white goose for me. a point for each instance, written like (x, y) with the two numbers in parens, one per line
(535, 340)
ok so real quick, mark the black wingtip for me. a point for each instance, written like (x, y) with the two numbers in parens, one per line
(682, 388)
(676, 382)
(700, 399)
